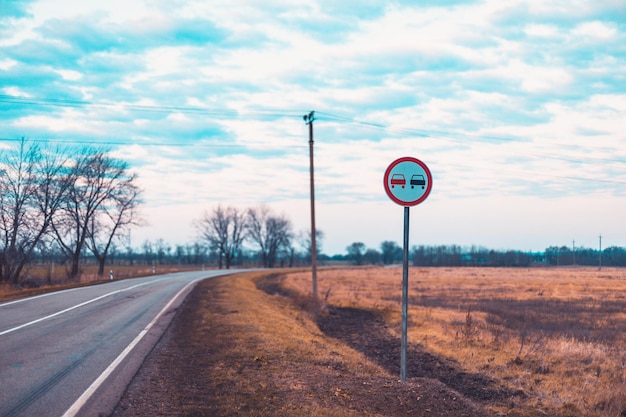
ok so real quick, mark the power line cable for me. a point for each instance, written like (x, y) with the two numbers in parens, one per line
(450, 135)
(198, 143)
(225, 112)
(431, 133)
(454, 136)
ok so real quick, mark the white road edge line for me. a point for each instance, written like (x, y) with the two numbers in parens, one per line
(82, 400)
(58, 313)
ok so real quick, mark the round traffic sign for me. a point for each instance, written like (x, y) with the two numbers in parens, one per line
(408, 181)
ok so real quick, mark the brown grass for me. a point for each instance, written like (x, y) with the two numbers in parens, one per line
(255, 334)
(242, 346)
(555, 334)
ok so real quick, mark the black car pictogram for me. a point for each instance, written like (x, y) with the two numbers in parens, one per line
(418, 180)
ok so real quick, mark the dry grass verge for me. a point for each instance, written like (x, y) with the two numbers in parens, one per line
(243, 346)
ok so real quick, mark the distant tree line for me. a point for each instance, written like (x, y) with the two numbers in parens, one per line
(455, 255)
(296, 252)
(199, 254)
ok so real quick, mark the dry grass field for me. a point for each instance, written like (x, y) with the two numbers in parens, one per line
(553, 337)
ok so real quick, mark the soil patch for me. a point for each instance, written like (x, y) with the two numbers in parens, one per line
(367, 332)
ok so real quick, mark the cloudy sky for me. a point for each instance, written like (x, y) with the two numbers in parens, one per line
(518, 108)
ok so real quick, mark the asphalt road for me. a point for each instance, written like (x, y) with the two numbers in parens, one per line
(72, 353)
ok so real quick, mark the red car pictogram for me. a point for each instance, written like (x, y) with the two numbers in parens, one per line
(398, 179)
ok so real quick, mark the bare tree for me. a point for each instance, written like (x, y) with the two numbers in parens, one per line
(372, 257)
(356, 251)
(224, 230)
(98, 181)
(116, 214)
(270, 232)
(391, 252)
(291, 253)
(33, 184)
(162, 250)
(148, 252)
(304, 239)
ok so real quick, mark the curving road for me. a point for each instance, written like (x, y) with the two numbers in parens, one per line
(72, 353)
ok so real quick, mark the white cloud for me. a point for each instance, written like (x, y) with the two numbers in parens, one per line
(71, 121)
(6, 64)
(15, 92)
(595, 30)
(112, 10)
(542, 30)
(543, 80)
(69, 75)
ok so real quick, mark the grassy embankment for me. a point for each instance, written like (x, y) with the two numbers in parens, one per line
(557, 334)
(244, 345)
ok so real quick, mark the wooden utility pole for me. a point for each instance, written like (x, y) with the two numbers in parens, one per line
(308, 119)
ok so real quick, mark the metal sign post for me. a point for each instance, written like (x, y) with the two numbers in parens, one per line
(405, 296)
(406, 194)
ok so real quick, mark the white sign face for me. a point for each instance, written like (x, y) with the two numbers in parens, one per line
(408, 181)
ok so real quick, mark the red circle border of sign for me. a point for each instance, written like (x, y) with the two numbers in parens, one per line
(426, 170)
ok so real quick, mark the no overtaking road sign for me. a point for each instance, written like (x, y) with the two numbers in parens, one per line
(408, 181)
